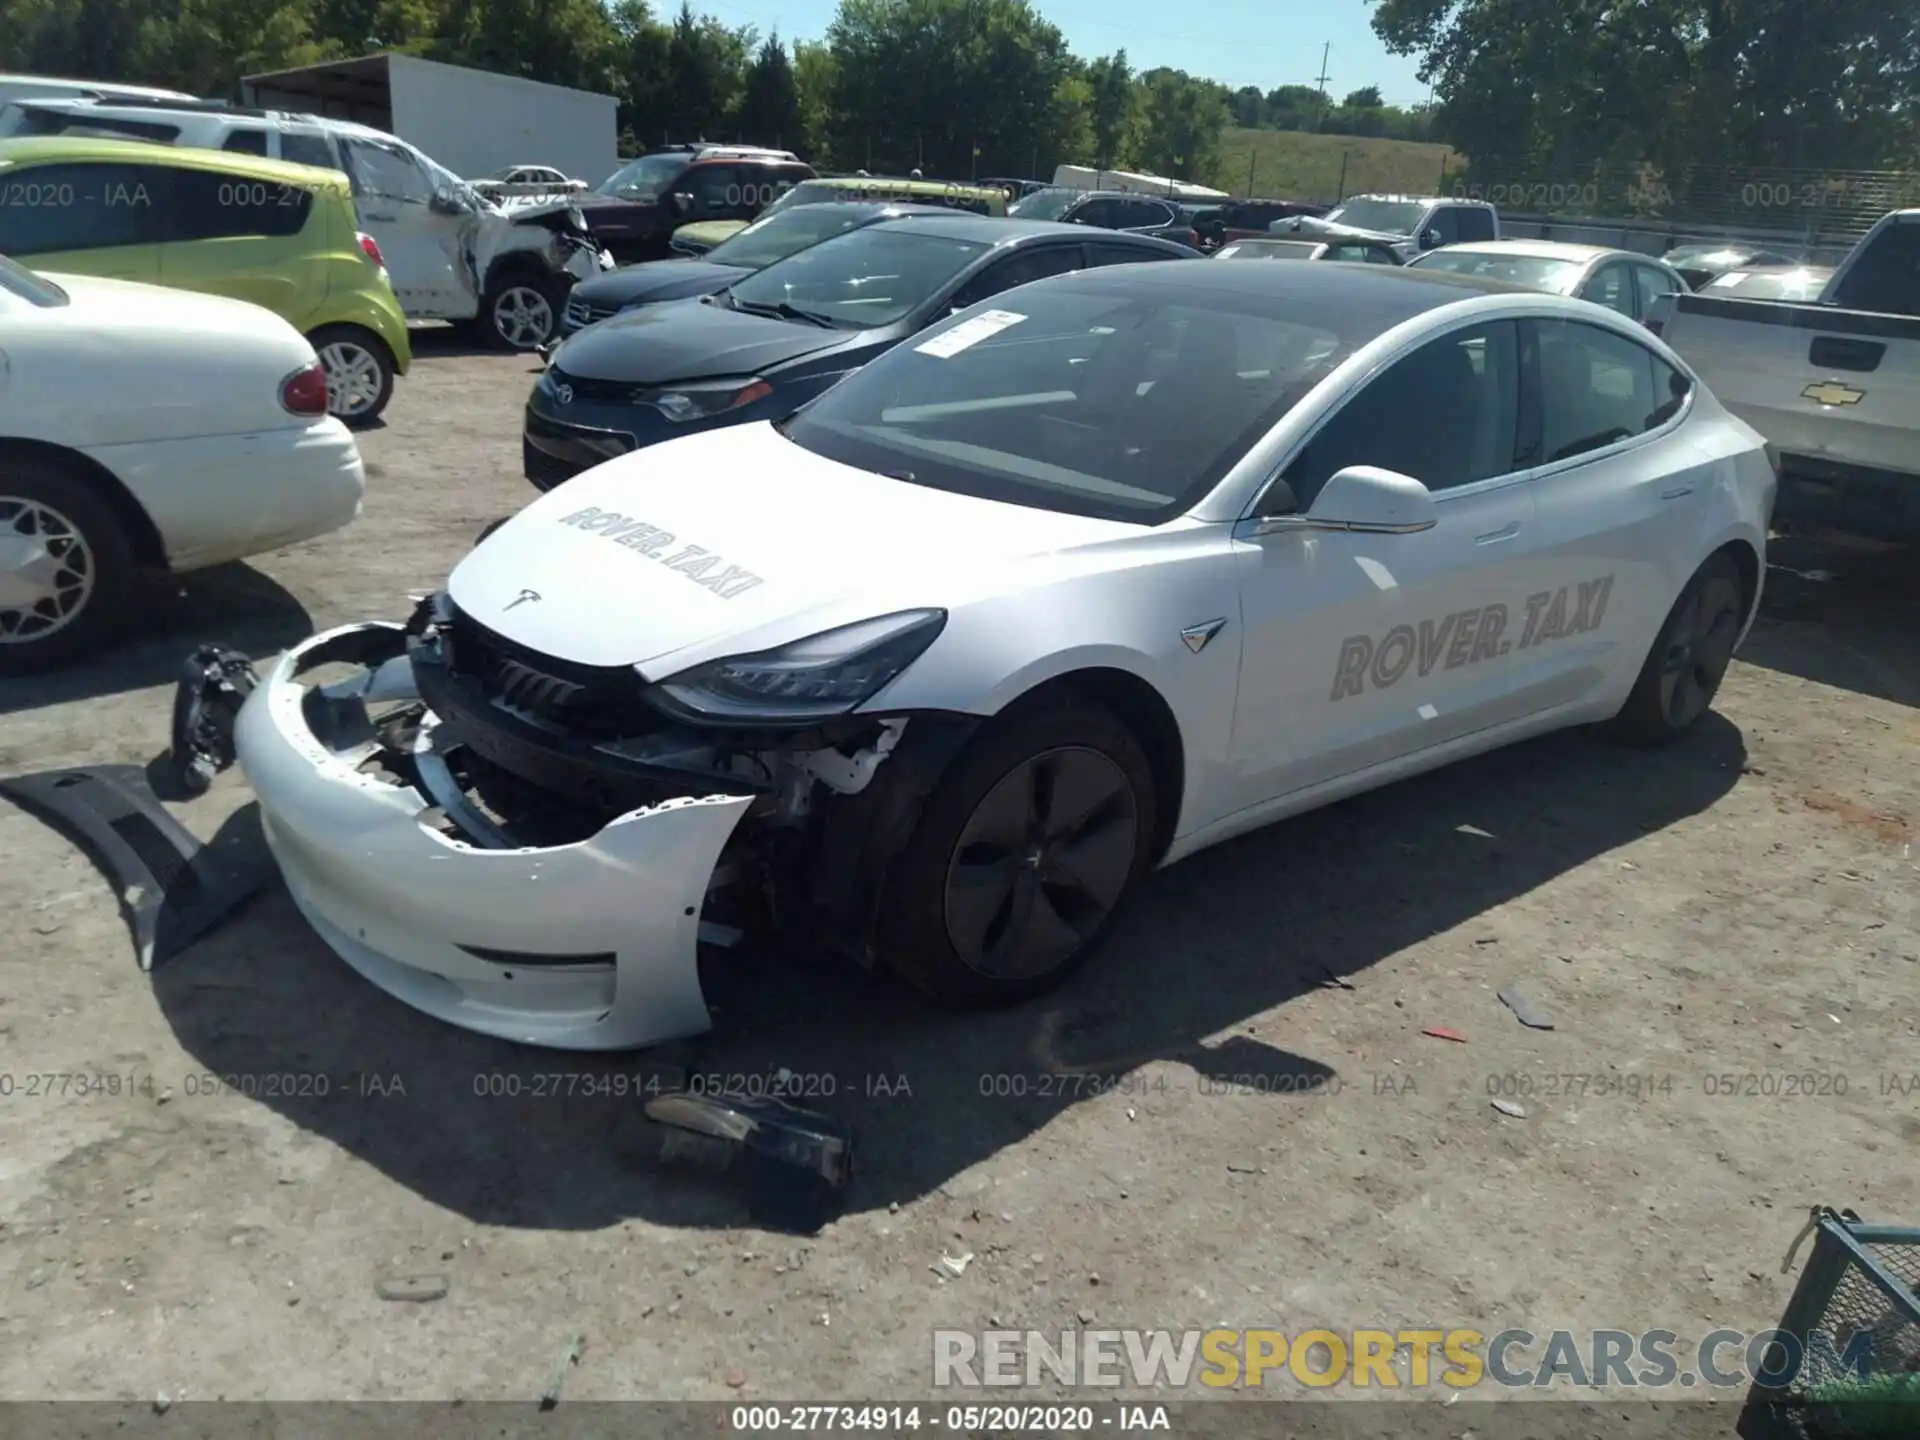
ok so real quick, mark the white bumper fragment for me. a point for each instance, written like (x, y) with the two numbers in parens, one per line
(588, 946)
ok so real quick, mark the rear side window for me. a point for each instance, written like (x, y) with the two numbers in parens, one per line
(60, 122)
(1612, 287)
(247, 142)
(1139, 214)
(1598, 388)
(218, 205)
(1886, 276)
(48, 209)
(1651, 284)
(1474, 223)
(1020, 269)
(303, 149)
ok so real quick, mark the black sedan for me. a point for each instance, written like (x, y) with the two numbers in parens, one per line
(770, 238)
(770, 342)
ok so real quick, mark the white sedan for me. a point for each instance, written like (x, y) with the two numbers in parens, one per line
(1622, 280)
(1105, 570)
(147, 431)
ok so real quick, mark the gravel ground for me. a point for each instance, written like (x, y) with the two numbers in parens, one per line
(1205, 1128)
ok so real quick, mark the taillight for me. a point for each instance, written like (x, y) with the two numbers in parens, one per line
(370, 248)
(304, 392)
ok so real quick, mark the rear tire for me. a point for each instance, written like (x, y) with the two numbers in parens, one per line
(67, 568)
(521, 311)
(359, 370)
(1023, 856)
(1683, 671)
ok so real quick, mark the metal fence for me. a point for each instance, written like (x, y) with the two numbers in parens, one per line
(1808, 209)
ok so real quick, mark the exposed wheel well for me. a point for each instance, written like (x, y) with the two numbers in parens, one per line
(521, 262)
(148, 548)
(1747, 560)
(1142, 710)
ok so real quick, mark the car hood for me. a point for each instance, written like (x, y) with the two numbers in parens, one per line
(738, 540)
(690, 340)
(1325, 229)
(660, 280)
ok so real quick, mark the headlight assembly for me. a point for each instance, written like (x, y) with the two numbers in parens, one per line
(809, 680)
(681, 403)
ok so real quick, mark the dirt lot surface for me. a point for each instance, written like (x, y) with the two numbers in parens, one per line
(1203, 1129)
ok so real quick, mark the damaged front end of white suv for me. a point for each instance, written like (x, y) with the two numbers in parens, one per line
(540, 850)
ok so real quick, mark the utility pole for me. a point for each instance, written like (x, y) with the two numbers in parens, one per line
(1325, 51)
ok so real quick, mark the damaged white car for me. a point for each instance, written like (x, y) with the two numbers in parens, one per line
(451, 252)
(1104, 570)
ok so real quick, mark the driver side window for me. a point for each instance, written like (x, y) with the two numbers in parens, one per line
(1447, 415)
(386, 173)
(1018, 269)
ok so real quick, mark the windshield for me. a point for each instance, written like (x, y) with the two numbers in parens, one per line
(1085, 395)
(1044, 205)
(645, 179)
(1534, 271)
(16, 279)
(1390, 217)
(774, 237)
(862, 279)
(811, 192)
(1269, 250)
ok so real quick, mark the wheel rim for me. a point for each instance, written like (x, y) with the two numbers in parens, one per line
(1041, 863)
(353, 377)
(1699, 649)
(46, 571)
(522, 316)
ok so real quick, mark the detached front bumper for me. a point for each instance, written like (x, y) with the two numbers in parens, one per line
(586, 946)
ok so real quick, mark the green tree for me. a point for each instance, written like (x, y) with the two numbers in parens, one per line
(769, 111)
(706, 65)
(813, 93)
(1114, 110)
(1249, 107)
(928, 83)
(1365, 98)
(1181, 120)
(1292, 107)
(563, 42)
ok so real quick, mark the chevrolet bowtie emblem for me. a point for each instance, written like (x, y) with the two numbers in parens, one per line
(1832, 392)
(1196, 636)
(523, 597)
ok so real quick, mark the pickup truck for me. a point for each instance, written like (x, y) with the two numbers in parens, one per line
(1409, 223)
(1832, 384)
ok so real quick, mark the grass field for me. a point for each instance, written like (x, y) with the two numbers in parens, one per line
(1293, 165)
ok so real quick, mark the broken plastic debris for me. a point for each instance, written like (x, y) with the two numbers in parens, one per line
(414, 1288)
(795, 1162)
(569, 1357)
(1524, 1010)
(1441, 1032)
(954, 1265)
(214, 682)
(1507, 1107)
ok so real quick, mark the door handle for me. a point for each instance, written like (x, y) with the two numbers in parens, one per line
(1837, 352)
(1676, 492)
(1494, 537)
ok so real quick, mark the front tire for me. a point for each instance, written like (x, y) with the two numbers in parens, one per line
(1022, 858)
(359, 370)
(1683, 671)
(521, 311)
(67, 568)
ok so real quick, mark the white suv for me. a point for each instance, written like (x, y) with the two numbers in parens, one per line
(1409, 223)
(452, 254)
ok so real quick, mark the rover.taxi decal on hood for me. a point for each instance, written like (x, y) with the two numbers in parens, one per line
(696, 562)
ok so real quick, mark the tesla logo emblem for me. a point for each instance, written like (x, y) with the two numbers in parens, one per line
(1832, 392)
(523, 597)
(563, 393)
(1196, 637)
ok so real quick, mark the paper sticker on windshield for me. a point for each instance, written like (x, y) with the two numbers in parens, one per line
(968, 333)
(1732, 277)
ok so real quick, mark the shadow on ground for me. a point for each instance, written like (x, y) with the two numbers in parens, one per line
(1840, 612)
(233, 605)
(508, 1136)
(450, 341)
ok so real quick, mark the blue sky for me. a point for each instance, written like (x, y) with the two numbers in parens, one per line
(1237, 42)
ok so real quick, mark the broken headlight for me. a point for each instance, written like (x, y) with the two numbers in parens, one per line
(682, 403)
(809, 680)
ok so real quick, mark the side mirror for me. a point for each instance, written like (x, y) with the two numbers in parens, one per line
(1429, 239)
(682, 201)
(1375, 501)
(447, 202)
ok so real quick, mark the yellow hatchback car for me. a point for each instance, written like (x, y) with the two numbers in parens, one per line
(283, 236)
